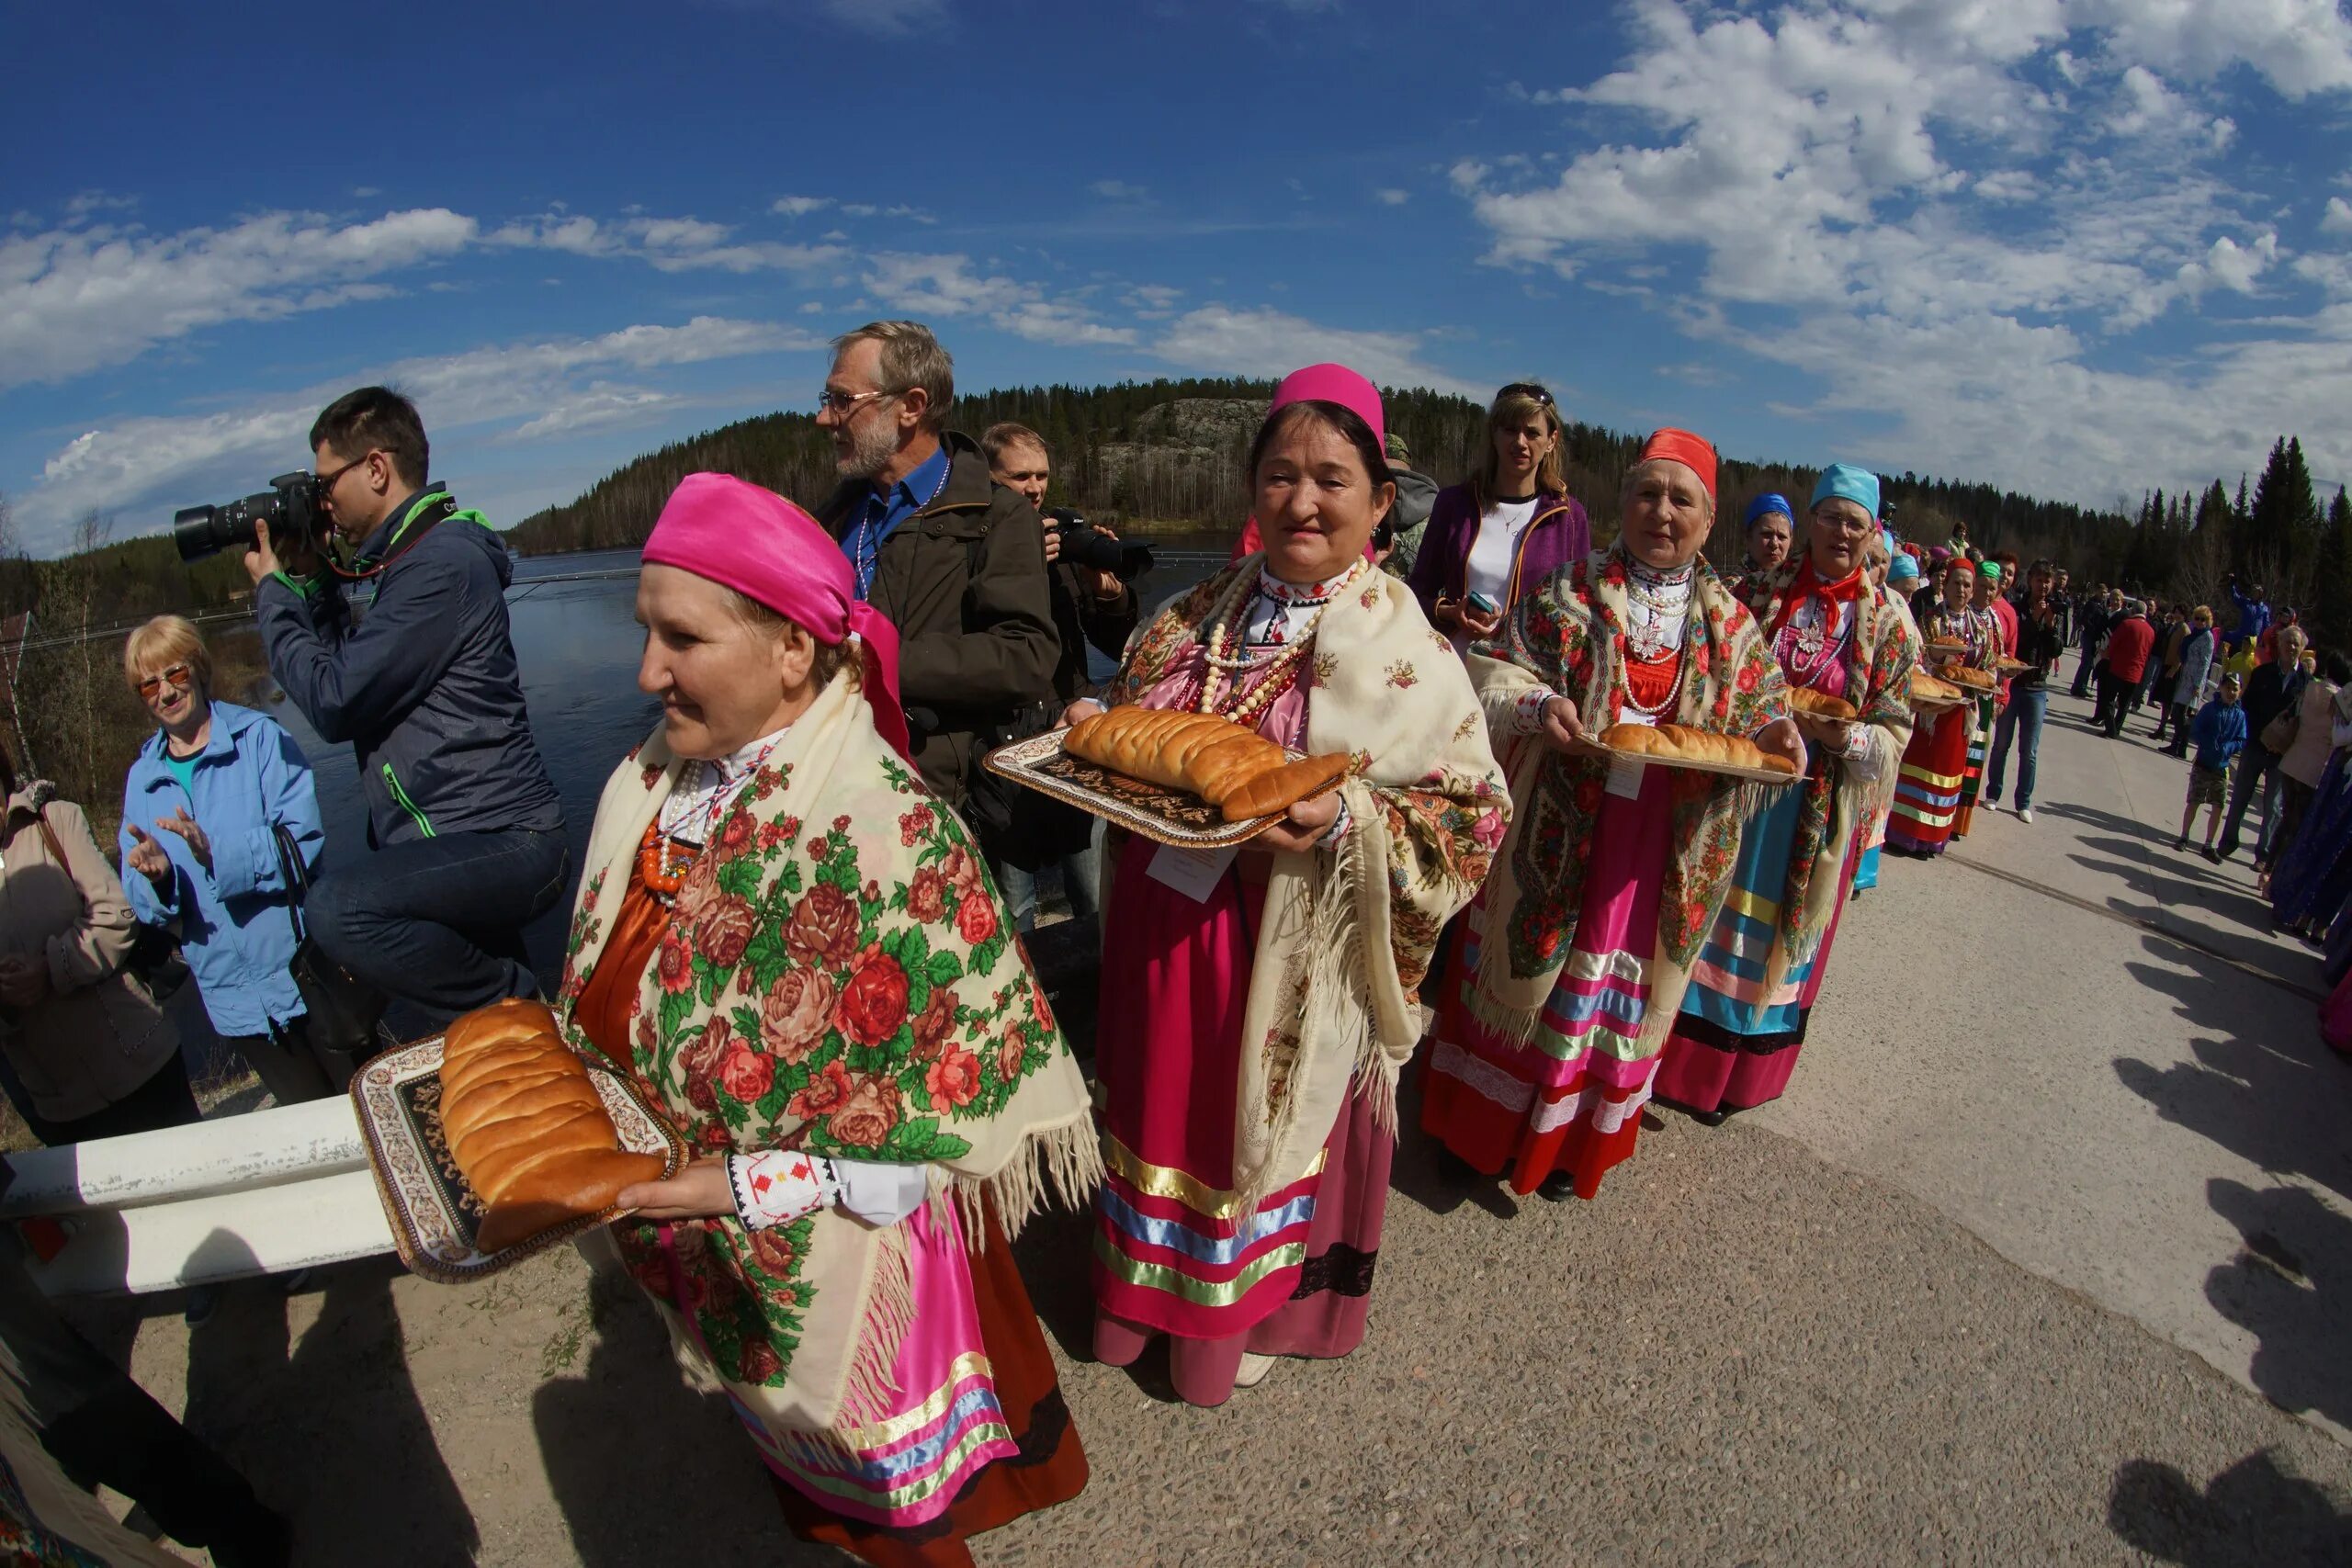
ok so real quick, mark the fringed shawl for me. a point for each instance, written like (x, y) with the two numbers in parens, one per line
(839, 975)
(1838, 799)
(1346, 938)
(1569, 639)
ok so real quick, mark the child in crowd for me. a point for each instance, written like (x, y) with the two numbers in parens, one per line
(2219, 733)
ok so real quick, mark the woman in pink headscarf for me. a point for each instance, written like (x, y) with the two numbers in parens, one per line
(1257, 1005)
(789, 945)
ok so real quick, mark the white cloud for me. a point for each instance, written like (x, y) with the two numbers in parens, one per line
(668, 244)
(799, 206)
(143, 468)
(1391, 196)
(2338, 219)
(77, 299)
(1221, 340)
(886, 18)
(946, 285)
(1117, 190)
(1900, 180)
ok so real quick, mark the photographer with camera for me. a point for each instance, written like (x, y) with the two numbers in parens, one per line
(1087, 568)
(464, 823)
(956, 561)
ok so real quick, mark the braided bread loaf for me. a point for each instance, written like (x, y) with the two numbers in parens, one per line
(1820, 705)
(1680, 743)
(1238, 771)
(527, 1127)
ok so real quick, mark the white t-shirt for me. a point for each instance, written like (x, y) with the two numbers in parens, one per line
(1496, 547)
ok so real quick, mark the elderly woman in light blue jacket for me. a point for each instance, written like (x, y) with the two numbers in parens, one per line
(200, 846)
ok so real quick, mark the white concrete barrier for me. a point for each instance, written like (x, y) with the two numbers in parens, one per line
(263, 1194)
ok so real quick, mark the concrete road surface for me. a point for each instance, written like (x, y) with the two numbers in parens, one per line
(2048, 1237)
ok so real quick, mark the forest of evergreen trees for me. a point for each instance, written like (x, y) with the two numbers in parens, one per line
(1113, 463)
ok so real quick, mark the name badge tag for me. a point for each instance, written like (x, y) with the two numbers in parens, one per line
(1625, 775)
(1192, 873)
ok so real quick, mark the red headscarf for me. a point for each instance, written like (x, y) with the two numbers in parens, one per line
(1681, 446)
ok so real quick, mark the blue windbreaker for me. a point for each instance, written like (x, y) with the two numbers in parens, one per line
(235, 929)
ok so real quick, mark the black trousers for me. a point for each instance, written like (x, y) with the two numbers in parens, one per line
(284, 1062)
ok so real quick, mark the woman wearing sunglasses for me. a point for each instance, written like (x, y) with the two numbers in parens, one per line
(201, 847)
(1506, 530)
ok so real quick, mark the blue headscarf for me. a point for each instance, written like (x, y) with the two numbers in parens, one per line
(1903, 568)
(1770, 502)
(1848, 482)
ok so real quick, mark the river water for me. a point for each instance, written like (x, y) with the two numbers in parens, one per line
(577, 638)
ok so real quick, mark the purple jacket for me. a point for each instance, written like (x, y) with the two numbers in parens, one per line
(1559, 536)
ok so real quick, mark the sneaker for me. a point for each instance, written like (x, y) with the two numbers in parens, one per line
(2181, 842)
(2025, 815)
(1991, 803)
(2213, 854)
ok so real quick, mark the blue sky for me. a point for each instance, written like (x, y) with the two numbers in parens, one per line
(2073, 246)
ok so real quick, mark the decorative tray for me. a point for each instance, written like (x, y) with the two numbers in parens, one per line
(433, 1214)
(1165, 816)
(1698, 765)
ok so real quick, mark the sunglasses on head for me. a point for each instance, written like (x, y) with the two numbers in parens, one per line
(1525, 389)
(172, 674)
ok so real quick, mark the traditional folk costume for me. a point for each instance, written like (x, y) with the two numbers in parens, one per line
(796, 955)
(1985, 706)
(1874, 838)
(1752, 991)
(1257, 1008)
(1254, 1021)
(1573, 959)
(1935, 769)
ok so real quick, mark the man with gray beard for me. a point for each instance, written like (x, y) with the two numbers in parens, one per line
(956, 560)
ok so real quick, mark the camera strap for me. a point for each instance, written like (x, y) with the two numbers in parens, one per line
(435, 508)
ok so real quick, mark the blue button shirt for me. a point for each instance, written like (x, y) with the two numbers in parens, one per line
(882, 511)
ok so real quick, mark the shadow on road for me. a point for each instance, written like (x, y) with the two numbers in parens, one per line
(630, 1451)
(330, 1427)
(2253, 1513)
(2217, 916)
(2264, 1084)
(2290, 1284)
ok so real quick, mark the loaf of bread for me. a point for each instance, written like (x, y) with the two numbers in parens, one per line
(1672, 743)
(526, 1125)
(1925, 688)
(1820, 705)
(1238, 771)
(1976, 680)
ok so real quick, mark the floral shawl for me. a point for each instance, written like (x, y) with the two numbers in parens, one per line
(1345, 939)
(839, 975)
(1569, 639)
(1880, 657)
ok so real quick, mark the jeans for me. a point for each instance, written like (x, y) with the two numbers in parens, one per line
(2114, 692)
(2021, 721)
(1082, 884)
(2256, 764)
(438, 922)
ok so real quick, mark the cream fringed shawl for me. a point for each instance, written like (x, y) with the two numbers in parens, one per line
(838, 975)
(1346, 936)
(1568, 638)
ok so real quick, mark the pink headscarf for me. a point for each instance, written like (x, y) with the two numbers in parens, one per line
(739, 536)
(1320, 384)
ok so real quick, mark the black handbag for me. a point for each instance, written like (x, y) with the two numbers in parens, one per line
(344, 1012)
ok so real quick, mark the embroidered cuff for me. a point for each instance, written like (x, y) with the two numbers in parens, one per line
(777, 1186)
(1858, 740)
(1527, 714)
(1336, 832)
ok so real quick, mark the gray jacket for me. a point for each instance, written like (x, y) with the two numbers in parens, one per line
(98, 1035)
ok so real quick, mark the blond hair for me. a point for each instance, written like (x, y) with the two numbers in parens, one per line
(1550, 473)
(911, 358)
(162, 642)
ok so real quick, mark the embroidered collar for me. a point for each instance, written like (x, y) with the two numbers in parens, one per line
(703, 791)
(1287, 593)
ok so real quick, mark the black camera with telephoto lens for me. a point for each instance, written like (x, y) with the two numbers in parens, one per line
(1085, 545)
(290, 507)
